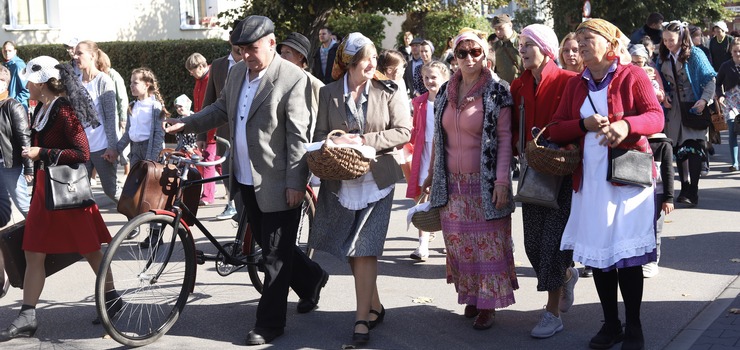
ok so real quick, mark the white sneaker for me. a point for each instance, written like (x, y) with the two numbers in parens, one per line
(566, 297)
(419, 255)
(548, 326)
(650, 269)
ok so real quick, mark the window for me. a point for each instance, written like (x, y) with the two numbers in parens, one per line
(26, 14)
(201, 14)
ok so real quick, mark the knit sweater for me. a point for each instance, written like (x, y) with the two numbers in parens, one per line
(698, 70)
(630, 98)
(540, 100)
(495, 97)
(728, 77)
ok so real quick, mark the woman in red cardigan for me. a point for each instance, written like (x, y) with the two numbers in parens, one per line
(611, 227)
(537, 93)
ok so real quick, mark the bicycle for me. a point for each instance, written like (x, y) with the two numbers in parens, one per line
(155, 283)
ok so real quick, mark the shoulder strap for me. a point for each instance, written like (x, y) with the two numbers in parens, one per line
(675, 79)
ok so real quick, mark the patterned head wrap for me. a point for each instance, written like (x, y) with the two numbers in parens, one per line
(605, 29)
(351, 45)
(544, 37)
(471, 35)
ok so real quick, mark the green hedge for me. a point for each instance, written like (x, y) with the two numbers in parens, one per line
(166, 58)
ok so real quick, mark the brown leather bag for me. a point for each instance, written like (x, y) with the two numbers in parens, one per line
(151, 185)
(11, 244)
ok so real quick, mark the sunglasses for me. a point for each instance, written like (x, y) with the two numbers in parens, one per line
(474, 53)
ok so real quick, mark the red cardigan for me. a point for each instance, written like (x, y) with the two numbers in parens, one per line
(630, 97)
(199, 94)
(539, 105)
(418, 134)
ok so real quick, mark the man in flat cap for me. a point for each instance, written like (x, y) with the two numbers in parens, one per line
(408, 74)
(506, 49)
(264, 103)
(294, 49)
(220, 67)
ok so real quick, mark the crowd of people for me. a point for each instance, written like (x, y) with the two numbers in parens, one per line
(454, 128)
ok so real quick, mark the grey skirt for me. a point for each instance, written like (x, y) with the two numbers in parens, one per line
(347, 233)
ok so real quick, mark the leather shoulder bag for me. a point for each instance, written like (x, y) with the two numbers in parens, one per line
(67, 187)
(628, 166)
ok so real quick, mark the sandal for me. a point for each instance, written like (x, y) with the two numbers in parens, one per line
(361, 338)
(381, 316)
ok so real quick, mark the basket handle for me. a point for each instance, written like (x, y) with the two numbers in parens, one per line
(542, 131)
(336, 132)
(422, 198)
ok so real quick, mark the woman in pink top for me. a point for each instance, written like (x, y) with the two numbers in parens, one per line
(470, 183)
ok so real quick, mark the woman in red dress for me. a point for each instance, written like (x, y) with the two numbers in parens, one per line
(57, 137)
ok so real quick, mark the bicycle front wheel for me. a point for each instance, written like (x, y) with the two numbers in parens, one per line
(153, 273)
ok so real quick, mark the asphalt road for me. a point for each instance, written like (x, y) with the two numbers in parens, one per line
(697, 266)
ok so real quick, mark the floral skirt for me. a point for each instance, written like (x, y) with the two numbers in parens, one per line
(480, 256)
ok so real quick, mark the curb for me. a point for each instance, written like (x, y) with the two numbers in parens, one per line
(688, 336)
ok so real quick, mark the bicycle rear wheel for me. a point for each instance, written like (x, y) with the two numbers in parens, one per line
(154, 283)
(254, 253)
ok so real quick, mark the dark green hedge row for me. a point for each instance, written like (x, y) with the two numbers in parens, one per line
(166, 58)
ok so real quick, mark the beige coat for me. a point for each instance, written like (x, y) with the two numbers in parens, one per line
(388, 126)
(277, 128)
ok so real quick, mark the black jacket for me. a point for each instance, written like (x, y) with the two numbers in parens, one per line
(15, 133)
(316, 70)
(663, 156)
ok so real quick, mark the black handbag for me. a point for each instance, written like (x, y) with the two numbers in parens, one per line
(689, 119)
(67, 187)
(630, 167)
(737, 124)
(692, 120)
(538, 188)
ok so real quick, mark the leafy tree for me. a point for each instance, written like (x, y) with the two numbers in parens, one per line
(438, 26)
(370, 25)
(630, 15)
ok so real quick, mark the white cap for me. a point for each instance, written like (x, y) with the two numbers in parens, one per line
(183, 101)
(72, 42)
(721, 24)
(40, 70)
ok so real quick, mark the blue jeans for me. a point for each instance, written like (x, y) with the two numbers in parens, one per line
(17, 188)
(733, 141)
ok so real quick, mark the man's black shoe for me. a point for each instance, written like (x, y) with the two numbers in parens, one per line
(307, 305)
(259, 335)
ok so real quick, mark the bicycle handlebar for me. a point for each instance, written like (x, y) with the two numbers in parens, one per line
(196, 159)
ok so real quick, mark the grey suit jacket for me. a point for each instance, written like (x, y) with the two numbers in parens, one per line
(388, 125)
(216, 80)
(277, 128)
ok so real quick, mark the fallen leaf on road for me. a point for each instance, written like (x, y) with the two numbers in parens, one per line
(735, 260)
(735, 311)
(106, 336)
(422, 300)
(685, 295)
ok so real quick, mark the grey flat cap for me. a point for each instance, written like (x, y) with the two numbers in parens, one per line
(236, 32)
(297, 42)
(253, 29)
(417, 41)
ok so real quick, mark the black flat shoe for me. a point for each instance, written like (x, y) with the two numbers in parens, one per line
(308, 305)
(608, 335)
(361, 338)
(379, 320)
(12, 331)
(259, 336)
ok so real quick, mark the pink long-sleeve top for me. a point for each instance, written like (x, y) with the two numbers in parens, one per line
(464, 127)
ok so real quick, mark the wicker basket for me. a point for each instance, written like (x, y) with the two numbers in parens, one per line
(427, 221)
(718, 119)
(557, 162)
(337, 163)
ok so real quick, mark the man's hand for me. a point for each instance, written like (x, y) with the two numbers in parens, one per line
(173, 126)
(294, 197)
(110, 155)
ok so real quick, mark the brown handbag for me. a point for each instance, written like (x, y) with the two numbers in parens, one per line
(11, 244)
(152, 185)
